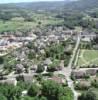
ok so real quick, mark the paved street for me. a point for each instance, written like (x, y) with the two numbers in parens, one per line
(67, 71)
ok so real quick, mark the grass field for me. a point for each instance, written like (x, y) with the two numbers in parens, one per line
(15, 25)
(87, 57)
(19, 24)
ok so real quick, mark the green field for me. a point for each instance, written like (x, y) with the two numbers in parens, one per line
(19, 23)
(87, 57)
(15, 25)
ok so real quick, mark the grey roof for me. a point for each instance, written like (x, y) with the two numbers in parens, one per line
(28, 78)
(79, 74)
(91, 71)
(48, 61)
(12, 81)
(19, 66)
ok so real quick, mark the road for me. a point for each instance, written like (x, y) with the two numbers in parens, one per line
(70, 82)
(67, 71)
(77, 56)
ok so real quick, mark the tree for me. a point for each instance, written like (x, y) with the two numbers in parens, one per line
(39, 23)
(89, 95)
(66, 61)
(65, 94)
(2, 97)
(28, 98)
(33, 90)
(1, 76)
(30, 45)
(55, 91)
(1, 60)
(49, 89)
(10, 92)
(43, 98)
(40, 68)
(31, 55)
(54, 66)
(94, 83)
(96, 40)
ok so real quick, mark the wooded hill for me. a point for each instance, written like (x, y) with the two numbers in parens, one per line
(82, 5)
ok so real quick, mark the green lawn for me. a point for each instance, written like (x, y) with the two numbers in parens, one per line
(19, 24)
(90, 54)
(15, 25)
(88, 57)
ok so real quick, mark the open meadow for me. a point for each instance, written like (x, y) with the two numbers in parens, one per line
(87, 57)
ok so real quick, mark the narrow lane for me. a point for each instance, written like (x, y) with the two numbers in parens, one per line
(69, 80)
(67, 70)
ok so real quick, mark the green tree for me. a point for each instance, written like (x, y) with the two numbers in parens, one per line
(33, 90)
(43, 98)
(2, 97)
(28, 98)
(40, 68)
(49, 89)
(89, 95)
(1, 60)
(55, 91)
(10, 92)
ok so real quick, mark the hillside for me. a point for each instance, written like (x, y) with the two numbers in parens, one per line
(82, 5)
(68, 13)
(41, 5)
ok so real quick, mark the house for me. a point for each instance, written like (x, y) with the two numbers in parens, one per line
(58, 79)
(21, 56)
(52, 38)
(34, 67)
(84, 84)
(95, 46)
(10, 81)
(95, 79)
(91, 72)
(42, 51)
(88, 36)
(68, 48)
(19, 68)
(78, 74)
(28, 78)
(47, 61)
(3, 42)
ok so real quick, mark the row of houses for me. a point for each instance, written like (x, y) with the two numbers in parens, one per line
(78, 74)
(11, 42)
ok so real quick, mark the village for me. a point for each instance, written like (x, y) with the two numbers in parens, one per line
(49, 50)
(55, 56)
(10, 42)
